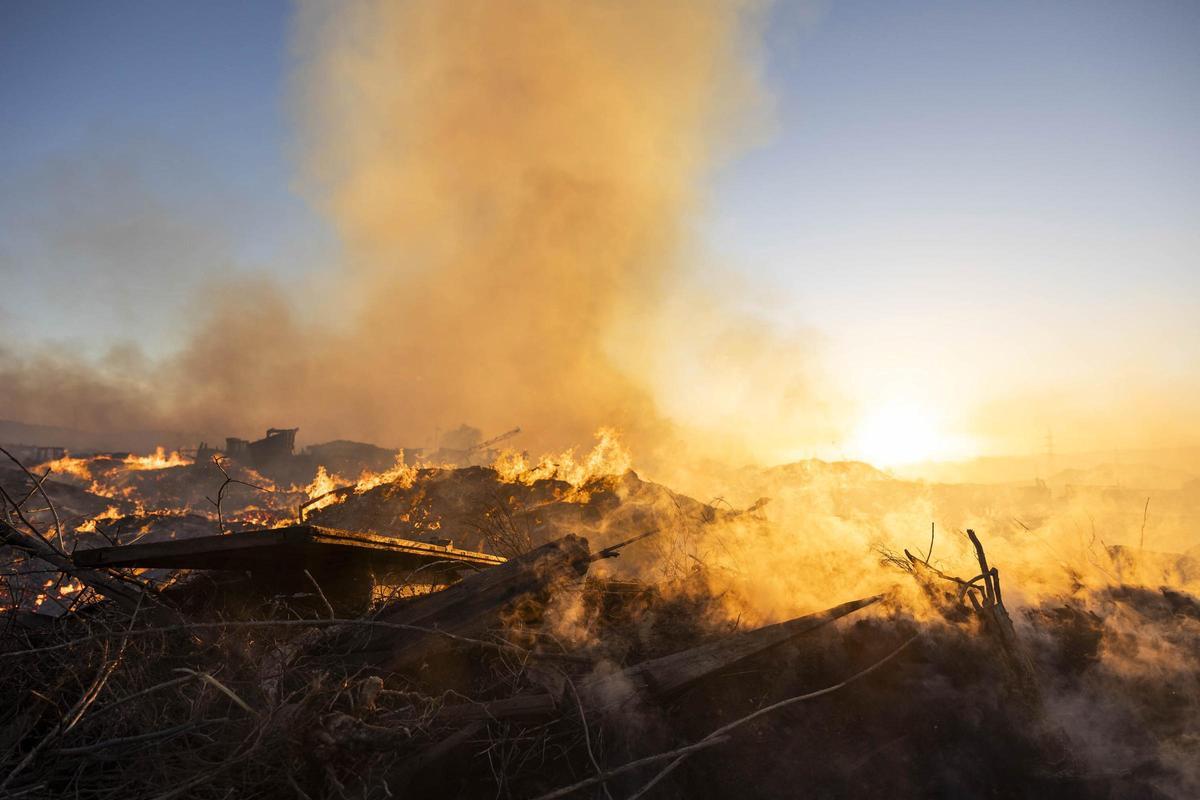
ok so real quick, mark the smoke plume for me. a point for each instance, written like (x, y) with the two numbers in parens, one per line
(513, 185)
(512, 182)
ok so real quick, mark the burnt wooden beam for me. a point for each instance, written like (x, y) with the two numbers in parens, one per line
(295, 548)
(469, 608)
(660, 677)
(668, 674)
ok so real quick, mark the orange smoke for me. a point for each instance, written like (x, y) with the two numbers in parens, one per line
(512, 184)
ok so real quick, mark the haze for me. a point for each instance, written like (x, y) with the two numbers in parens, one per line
(894, 231)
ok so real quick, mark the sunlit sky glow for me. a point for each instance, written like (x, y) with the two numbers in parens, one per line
(985, 214)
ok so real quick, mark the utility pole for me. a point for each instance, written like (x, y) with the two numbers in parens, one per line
(1049, 452)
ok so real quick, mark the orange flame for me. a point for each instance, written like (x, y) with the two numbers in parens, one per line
(157, 460)
(399, 473)
(608, 457)
(70, 465)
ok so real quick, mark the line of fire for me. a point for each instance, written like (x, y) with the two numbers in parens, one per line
(373, 616)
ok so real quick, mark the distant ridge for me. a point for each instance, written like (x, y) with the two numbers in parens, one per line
(1106, 467)
(141, 441)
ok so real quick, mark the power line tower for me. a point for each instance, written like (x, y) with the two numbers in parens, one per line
(1049, 442)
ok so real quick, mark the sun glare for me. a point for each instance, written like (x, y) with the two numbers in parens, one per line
(899, 434)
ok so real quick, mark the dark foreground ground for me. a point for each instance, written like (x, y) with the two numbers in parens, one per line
(553, 671)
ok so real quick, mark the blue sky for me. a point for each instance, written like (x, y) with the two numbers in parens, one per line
(951, 193)
(160, 124)
(899, 120)
(966, 197)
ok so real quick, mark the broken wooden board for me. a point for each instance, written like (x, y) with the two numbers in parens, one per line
(294, 549)
(661, 677)
(658, 678)
(468, 609)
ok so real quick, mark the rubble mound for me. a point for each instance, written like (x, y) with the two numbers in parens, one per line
(518, 663)
(474, 508)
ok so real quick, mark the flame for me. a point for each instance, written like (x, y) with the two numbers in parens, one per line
(70, 465)
(321, 484)
(157, 460)
(399, 474)
(607, 457)
(256, 517)
(89, 525)
(320, 490)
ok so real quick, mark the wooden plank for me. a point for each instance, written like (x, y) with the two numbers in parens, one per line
(468, 609)
(663, 676)
(658, 678)
(177, 552)
(298, 546)
(522, 706)
(332, 536)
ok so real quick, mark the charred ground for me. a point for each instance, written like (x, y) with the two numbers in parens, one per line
(550, 674)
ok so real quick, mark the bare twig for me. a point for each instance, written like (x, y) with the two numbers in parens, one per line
(229, 480)
(100, 712)
(125, 591)
(716, 737)
(73, 716)
(38, 484)
(633, 765)
(79, 709)
(587, 737)
(8, 501)
(273, 623)
(726, 729)
(137, 738)
(613, 551)
(220, 687)
(34, 489)
(321, 594)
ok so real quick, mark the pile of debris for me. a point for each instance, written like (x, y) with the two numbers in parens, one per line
(486, 655)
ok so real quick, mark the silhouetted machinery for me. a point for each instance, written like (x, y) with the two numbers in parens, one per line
(495, 440)
(273, 449)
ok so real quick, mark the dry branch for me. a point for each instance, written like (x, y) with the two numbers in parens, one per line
(126, 593)
(718, 736)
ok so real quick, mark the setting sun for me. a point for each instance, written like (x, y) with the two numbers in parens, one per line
(902, 433)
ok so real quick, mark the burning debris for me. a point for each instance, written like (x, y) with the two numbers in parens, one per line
(554, 630)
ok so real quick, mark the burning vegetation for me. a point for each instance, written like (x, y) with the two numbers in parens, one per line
(565, 628)
(513, 191)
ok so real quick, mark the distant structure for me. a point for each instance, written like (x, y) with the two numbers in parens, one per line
(273, 450)
(462, 447)
(35, 453)
(278, 445)
(275, 454)
(349, 458)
